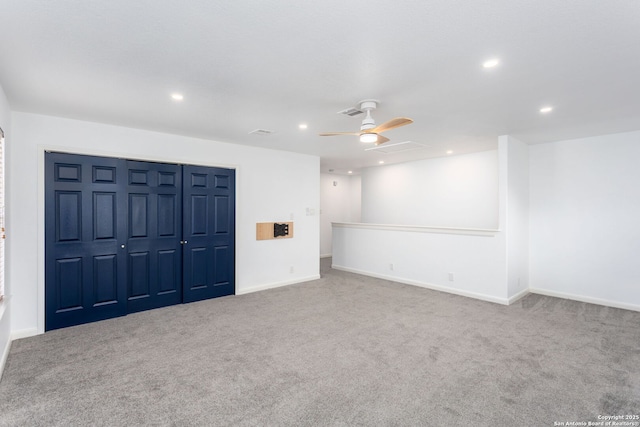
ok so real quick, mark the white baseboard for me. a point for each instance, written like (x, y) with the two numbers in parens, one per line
(24, 333)
(589, 300)
(4, 356)
(326, 255)
(523, 293)
(276, 285)
(431, 286)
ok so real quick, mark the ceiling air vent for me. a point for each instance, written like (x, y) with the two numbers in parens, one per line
(262, 132)
(351, 112)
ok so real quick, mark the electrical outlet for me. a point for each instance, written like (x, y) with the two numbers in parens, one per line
(451, 277)
(291, 269)
(391, 266)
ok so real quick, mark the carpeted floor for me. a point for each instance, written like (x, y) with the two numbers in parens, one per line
(340, 351)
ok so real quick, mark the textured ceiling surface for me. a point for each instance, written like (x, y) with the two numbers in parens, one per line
(273, 64)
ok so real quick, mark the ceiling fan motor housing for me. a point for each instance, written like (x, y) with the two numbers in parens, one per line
(368, 105)
(368, 122)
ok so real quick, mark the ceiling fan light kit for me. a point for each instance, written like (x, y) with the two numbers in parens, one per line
(368, 137)
(369, 132)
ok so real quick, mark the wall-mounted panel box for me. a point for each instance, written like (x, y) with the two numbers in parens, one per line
(274, 230)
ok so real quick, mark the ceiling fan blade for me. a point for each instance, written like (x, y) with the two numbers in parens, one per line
(382, 139)
(392, 124)
(339, 133)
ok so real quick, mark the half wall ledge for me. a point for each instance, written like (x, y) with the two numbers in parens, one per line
(488, 232)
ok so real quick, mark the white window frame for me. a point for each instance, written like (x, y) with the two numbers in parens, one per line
(2, 214)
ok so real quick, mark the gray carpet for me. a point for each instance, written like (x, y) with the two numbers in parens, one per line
(340, 351)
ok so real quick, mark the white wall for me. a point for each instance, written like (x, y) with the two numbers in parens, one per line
(355, 199)
(259, 175)
(584, 216)
(5, 311)
(424, 258)
(455, 191)
(467, 191)
(515, 169)
(339, 202)
(568, 215)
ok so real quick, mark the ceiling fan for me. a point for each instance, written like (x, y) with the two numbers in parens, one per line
(369, 132)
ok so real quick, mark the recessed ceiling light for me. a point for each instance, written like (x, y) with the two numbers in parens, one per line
(302, 126)
(350, 172)
(449, 151)
(177, 96)
(381, 162)
(490, 63)
(545, 110)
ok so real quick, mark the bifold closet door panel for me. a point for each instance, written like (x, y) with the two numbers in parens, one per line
(123, 236)
(154, 218)
(85, 227)
(208, 232)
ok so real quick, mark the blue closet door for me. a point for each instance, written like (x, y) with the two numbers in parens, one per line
(208, 232)
(154, 228)
(85, 227)
(123, 236)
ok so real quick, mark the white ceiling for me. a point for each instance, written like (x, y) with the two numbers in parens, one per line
(273, 64)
